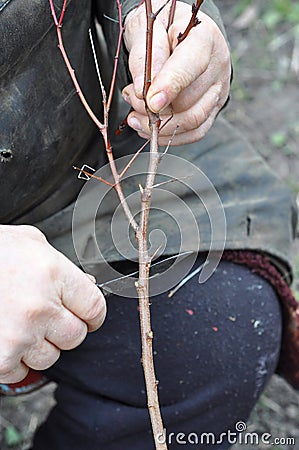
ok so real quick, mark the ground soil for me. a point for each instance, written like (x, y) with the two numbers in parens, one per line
(265, 106)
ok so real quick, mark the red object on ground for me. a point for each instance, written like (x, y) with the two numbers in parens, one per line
(33, 381)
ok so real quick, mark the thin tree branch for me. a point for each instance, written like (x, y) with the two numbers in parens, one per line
(58, 24)
(62, 13)
(142, 238)
(171, 14)
(103, 127)
(133, 159)
(116, 58)
(194, 21)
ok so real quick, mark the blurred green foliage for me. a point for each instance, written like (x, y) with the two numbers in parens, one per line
(277, 11)
(12, 436)
(273, 12)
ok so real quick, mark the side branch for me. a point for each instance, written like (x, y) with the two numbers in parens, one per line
(58, 24)
(171, 14)
(194, 21)
(103, 127)
(116, 58)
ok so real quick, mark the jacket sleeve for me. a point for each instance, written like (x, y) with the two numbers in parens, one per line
(107, 15)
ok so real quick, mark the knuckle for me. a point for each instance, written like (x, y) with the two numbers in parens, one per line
(33, 232)
(204, 128)
(217, 91)
(42, 357)
(203, 115)
(223, 57)
(67, 332)
(13, 343)
(96, 308)
(198, 117)
(77, 332)
(224, 94)
(226, 60)
(43, 365)
(15, 375)
(180, 79)
(5, 369)
(7, 364)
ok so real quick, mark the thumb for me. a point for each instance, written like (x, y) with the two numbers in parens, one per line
(185, 65)
(135, 40)
(79, 293)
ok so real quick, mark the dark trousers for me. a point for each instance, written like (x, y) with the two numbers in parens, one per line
(216, 346)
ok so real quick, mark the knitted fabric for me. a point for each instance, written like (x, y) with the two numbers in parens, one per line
(288, 365)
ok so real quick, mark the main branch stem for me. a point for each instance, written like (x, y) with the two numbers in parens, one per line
(144, 258)
(143, 292)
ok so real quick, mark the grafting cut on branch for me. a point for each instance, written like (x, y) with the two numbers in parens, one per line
(141, 228)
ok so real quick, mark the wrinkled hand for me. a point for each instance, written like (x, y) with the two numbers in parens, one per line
(192, 79)
(47, 304)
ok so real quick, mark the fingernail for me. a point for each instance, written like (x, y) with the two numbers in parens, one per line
(134, 123)
(158, 101)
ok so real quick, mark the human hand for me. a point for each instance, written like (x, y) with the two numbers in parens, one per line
(190, 80)
(47, 304)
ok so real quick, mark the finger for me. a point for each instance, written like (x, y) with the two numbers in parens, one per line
(129, 96)
(137, 104)
(193, 93)
(79, 294)
(17, 232)
(190, 136)
(135, 40)
(41, 356)
(12, 347)
(91, 277)
(188, 61)
(183, 67)
(66, 331)
(182, 122)
(15, 375)
(216, 78)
